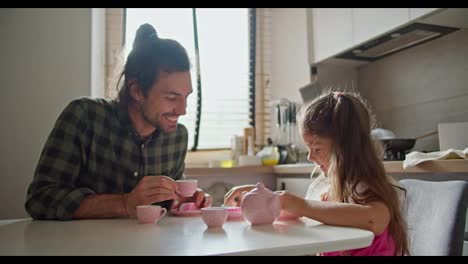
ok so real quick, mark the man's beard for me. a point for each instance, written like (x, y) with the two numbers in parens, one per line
(155, 121)
(151, 121)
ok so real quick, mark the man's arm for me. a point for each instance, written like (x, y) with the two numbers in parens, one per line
(149, 190)
(200, 198)
(53, 193)
(102, 206)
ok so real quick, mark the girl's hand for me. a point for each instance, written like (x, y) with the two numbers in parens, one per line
(291, 203)
(234, 196)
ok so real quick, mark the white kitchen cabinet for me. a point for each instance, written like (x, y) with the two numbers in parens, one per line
(371, 22)
(297, 186)
(330, 32)
(415, 13)
(334, 30)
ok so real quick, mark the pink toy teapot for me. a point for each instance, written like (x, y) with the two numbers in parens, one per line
(260, 206)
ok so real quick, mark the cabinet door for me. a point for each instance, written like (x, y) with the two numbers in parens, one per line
(419, 12)
(372, 22)
(330, 32)
(296, 186)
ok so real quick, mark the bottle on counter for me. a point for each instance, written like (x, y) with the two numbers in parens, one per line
(269, 154)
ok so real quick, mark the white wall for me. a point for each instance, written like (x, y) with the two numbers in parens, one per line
(98, 48)
(290, 69)
(289, 58)
(45, 63)
(414, 90)
(340, 76)
(289, 53)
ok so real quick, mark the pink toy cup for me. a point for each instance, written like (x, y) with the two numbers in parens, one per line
(188, 207)
(150, 214)
(187, 187)
(214, 216)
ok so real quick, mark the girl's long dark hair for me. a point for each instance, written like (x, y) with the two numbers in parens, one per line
(345, 119)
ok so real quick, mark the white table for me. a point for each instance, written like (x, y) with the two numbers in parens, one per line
(175, 236)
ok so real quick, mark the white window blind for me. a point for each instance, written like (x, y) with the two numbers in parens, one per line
(223, 43)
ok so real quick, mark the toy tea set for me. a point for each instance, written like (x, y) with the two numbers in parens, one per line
(260, 206)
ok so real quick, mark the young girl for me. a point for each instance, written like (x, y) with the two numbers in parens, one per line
(336, 127)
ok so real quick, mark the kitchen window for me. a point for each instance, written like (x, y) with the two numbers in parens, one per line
(225, 92)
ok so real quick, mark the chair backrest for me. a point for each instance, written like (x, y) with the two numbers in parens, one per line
(436, 214)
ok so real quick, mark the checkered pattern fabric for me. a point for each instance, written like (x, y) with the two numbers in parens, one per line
(93, 149)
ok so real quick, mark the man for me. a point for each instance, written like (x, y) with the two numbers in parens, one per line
(103, 158)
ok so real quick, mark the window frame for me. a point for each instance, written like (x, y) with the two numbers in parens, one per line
(260, 114)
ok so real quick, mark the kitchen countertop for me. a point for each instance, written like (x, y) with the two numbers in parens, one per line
(451, 165)
(437, 166)
(226, 171)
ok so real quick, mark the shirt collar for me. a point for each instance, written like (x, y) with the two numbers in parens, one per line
(126, 124)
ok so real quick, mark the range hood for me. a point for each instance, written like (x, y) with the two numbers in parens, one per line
(438, 24)
(396, 40)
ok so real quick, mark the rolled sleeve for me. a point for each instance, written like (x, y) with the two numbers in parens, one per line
(56, 203)
(52, 193)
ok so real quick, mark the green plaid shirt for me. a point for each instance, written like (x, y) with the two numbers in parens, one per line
(93, 149)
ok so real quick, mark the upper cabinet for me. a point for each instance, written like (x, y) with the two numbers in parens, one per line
(331, 32)
(335, 30)
(419, 12)
(370, 22)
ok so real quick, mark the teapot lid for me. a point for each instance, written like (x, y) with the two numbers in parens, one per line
(260, 188)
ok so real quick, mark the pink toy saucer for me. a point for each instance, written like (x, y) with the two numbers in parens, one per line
(185, 213)
(234, 213)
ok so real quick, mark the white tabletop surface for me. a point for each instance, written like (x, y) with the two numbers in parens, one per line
(175, 236)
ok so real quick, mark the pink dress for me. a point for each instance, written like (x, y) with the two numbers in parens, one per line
(382, 245)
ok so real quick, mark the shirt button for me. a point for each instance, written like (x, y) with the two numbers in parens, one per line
(142, 145)
(135, 173)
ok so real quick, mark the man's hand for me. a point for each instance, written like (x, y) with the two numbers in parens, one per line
(200, 198)
(150, 190)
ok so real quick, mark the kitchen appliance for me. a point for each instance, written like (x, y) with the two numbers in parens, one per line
(396, 148)
(399, 39)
